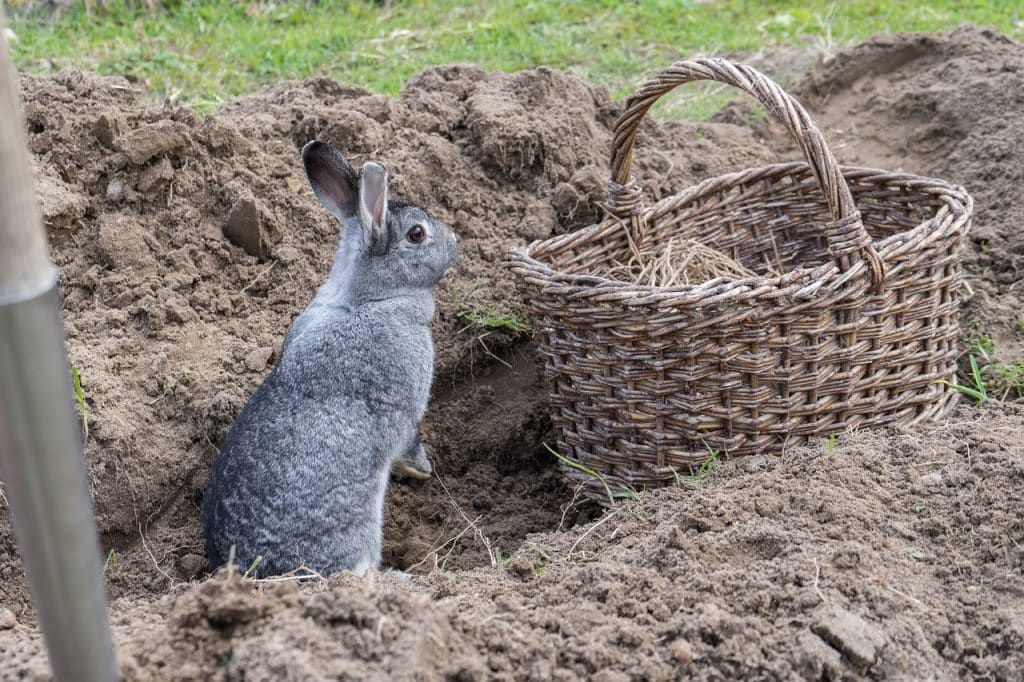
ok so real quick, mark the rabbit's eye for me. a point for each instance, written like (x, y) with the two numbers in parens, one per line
(416, 234)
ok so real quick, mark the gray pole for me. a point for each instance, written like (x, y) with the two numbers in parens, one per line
(41, 461)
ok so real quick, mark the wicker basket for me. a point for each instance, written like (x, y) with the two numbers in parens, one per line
(850, 322)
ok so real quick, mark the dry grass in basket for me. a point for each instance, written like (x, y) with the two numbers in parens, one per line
(678, 261)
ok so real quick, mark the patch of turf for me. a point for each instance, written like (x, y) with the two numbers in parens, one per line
(200, 53)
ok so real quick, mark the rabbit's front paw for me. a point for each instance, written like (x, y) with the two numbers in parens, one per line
(398, 575)
(415, 463)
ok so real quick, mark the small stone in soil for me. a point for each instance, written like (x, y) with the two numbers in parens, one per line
(681, 650)
(247, 227)
(522, 567)
(107, 128)
(755, 463)
(850, 634)
(816, 659)
(191, 566)
(144, 143)
(257, 360)
(7, 619)
(115, 190)
(769, 506)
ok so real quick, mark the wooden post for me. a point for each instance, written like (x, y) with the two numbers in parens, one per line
(41, 461)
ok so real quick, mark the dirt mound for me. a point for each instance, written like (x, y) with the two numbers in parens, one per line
(187, 246)
(943, 105)
(946, 105)
(885, 555)
(822, 563)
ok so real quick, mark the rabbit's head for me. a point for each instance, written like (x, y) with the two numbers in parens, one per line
(390, 246)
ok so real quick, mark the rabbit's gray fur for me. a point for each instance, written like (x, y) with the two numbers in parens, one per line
(301, 476)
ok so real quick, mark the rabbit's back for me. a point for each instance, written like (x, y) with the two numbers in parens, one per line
(302, 474)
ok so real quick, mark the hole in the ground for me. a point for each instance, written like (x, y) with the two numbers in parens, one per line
(466, 521)
(494, 485)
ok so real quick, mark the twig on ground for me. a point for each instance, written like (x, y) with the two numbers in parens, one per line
(817, 575)
(473, 524)
(258, 277)
(435, 551)
(610, 514)
(577, 491)
(905, 596)
(300, 573)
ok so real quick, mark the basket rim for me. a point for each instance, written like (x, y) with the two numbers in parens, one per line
(810, 280)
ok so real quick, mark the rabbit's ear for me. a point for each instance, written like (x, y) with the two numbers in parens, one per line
(332, 178)
(373, 201)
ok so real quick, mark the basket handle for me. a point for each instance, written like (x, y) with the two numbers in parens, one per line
(848, 241)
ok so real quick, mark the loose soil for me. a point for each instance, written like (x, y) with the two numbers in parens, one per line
(186, 247)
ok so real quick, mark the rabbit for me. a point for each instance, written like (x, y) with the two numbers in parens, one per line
(301, 477)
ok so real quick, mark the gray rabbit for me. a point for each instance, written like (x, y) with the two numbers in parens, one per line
(301, 476)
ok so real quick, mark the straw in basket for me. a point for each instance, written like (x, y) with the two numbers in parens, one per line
(850, 319)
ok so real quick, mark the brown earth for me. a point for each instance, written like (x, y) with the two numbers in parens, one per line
(186, 246)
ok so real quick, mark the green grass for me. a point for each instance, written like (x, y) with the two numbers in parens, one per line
(622, 494)
(491, 319)
(253, 566)
(201, 53)
(76, 380)
(1008, 379)
(500, 561)
(487, 317)
(703, 473)
(977, 388)
(986, 377)
(110, 561)
(830, 445)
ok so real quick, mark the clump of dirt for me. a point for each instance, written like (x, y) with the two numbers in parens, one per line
(894, 553)
(345, 630)
(186, 246)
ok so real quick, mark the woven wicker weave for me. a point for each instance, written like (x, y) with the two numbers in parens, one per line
(859, 329)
